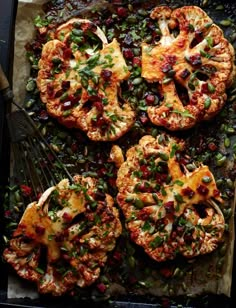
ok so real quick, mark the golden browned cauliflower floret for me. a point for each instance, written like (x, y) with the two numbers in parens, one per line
(193, 68)
(80, 85)
(73, 227)
(168, 209)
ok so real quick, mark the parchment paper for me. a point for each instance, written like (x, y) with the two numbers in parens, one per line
(27, 11)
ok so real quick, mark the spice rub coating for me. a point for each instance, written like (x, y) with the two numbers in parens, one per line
(79, 81)
(193, 63)
(169, 210)
(72, 227)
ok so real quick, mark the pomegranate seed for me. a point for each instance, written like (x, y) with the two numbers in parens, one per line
(67, 217)
(145, 172)
(166, 67)
(99, 106)
(65, 85)
(128, 53)
(150, 99)
(185, 73)
(188, 192)
(202, 190)
(106, 75)
(169, 207)
(67, 53)
(171, 59)
(66, 105)
(204, 88)
(137, 61)
(121, 11)
(198, 36)
(195, 59)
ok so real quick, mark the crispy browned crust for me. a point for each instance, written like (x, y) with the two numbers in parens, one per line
(94, 105)
(79, 247)
(163, 203)
(199, 58)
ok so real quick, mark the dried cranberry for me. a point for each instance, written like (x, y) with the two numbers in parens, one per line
(198, 36)
(67, 217)
(188, 192)
(145, 171)
(185, 73)
(67, 53)
(121, 11)
(143, 187)
(212, 146)
(204, 88)
(216, 193)
(143, 118)
(195, 60)
(166, 67)
(40, 230)
(99, 106)
(202, 190)
(50, 90)
(143, 215)
(171, 59)
(169, 207)
(100, 122)
(43, 115)
(106, 74)
(128, 53)
(65, 85)
(59, 93)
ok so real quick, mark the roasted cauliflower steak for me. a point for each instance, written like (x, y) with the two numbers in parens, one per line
(169, 210)
(72, 227)
(81, 85)
(193, 64)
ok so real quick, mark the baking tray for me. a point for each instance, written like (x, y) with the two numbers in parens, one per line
(7, 18)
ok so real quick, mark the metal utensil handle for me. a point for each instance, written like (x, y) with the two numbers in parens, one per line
(5, 86)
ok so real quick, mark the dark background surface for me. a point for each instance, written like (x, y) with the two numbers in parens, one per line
(7, 17)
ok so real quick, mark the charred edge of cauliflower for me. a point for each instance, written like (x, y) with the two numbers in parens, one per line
(75, 226)
(163, 202)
